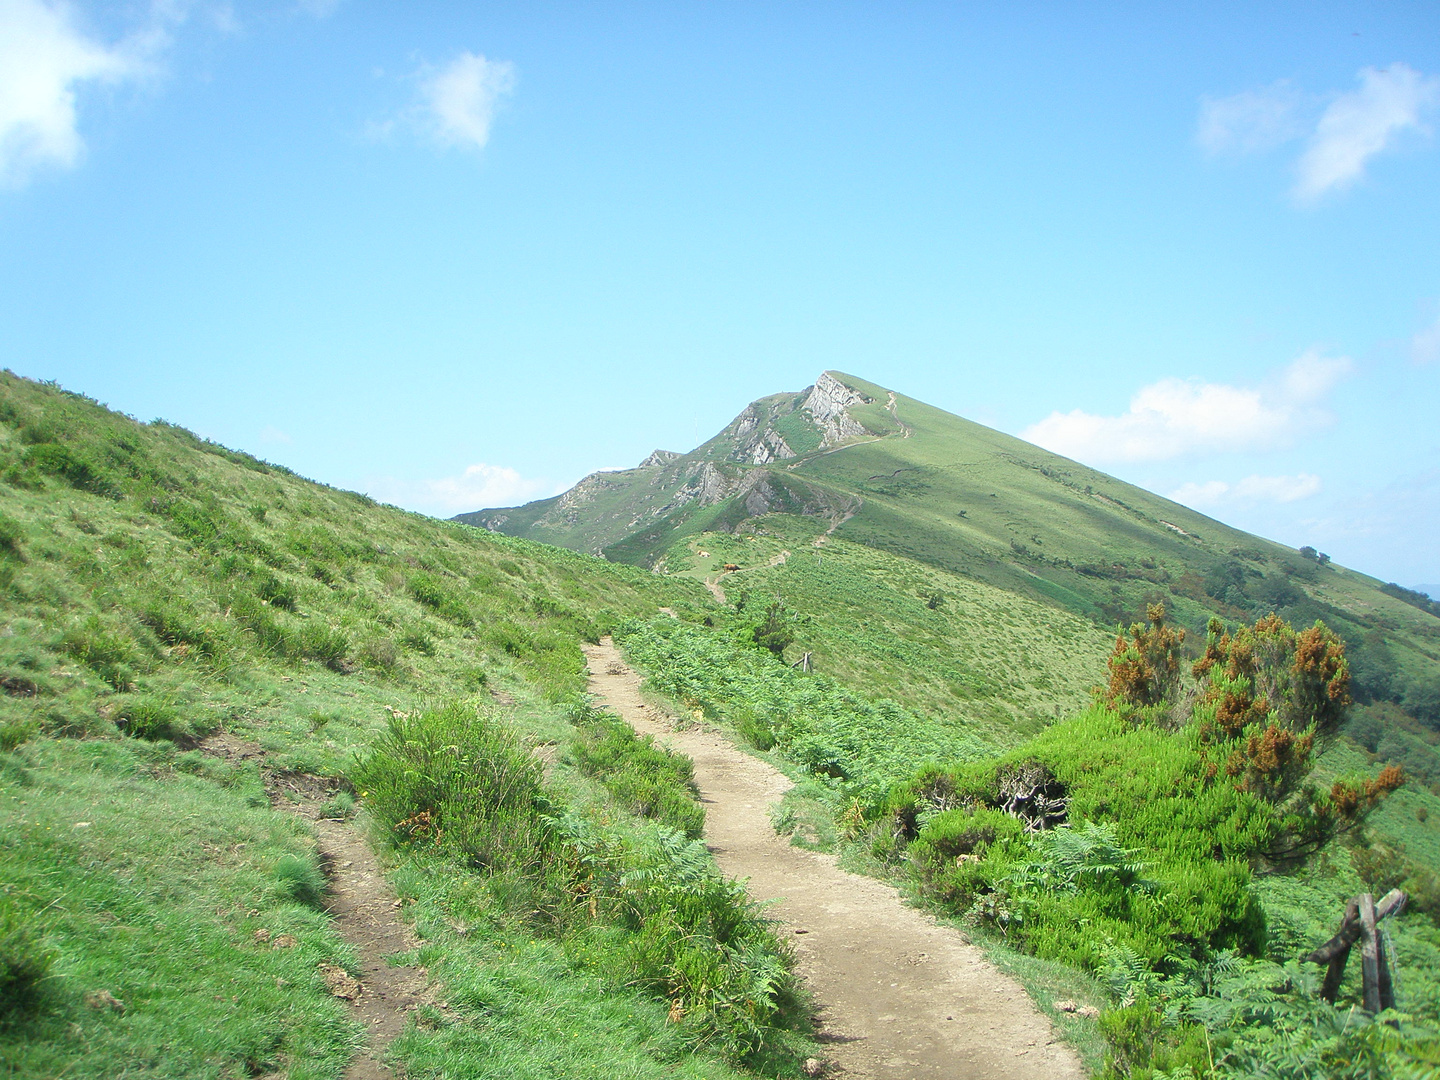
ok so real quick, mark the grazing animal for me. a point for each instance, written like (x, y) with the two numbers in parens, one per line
(730, 566)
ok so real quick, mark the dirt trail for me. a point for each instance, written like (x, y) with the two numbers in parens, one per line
(900, 997)
(361, 902)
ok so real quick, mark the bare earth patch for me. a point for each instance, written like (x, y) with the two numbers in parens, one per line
(900, 997)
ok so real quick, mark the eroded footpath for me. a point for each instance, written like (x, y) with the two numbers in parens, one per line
(900, 997)
(362, 904)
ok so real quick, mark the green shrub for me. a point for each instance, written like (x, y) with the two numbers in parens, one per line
(381, 654)
(111, 653)
(14, 733)
(300, 880)
(646, 779)
(73, 467)
(11, 534)
(455, 778)
(326, 644)
(276, 593)
(339, 808)
(434, 594)
(689, 936)
(147, 718)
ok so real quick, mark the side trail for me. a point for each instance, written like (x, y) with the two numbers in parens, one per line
(899, 997)
(360, 901)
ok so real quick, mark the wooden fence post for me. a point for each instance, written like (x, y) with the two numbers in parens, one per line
(1361, 923)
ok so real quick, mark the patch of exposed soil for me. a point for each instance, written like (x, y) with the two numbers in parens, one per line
(361, 902)
(900, 997)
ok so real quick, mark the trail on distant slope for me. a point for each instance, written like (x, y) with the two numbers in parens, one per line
(899, 996)
(718, 591)
(360, 901)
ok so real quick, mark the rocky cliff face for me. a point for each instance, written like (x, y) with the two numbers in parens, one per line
(828, 403)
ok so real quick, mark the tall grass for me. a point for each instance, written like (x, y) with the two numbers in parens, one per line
(645, 909)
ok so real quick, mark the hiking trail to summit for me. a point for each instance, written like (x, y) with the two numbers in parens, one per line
(898, 996)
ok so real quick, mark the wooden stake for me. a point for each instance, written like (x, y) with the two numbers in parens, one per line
(1370, 952)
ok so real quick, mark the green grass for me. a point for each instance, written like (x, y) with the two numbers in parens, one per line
(644, 908)
(937, 642)
(518, 1006)
(155, 587)
(812, 720)
(144, 872)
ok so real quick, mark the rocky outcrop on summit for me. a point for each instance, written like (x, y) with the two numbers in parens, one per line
(747, 470)
(828, 403)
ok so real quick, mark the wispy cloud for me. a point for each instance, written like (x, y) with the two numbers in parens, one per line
(1342, 137)
(460, 99)
(45, 59)
(1425, 346)
(1185, 417)
(1251, 120)
(1278, 489)
(475, 488)
(1361, 124)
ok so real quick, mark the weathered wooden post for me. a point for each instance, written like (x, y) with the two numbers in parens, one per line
(1361, 923)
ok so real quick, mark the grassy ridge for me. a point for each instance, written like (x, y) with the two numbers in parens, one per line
(155, 587)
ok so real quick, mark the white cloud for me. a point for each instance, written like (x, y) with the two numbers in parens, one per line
(1425, 346)
(44, 59)
(1179, 417)
(1251, 120)
(274, 435)
(460, 99)
(1361, 124)
(476, 488)
(1277, 489)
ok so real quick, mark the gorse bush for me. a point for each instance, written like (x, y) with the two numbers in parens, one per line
(646, 779)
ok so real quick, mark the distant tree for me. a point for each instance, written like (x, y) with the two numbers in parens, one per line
(773, 632)
(1308, 552)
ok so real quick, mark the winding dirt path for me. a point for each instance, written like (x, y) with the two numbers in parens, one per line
(899, 996)
(360, 901)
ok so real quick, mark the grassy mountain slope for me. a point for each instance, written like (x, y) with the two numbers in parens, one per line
(154, 588)
(957, 498)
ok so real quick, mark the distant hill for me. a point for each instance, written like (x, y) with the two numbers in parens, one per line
(861, 463)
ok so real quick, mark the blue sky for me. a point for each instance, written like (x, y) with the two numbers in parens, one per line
(460, 255)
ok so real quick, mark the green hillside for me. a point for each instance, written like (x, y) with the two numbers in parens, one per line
(893, 475)
(156, 589)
